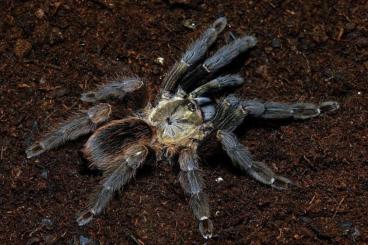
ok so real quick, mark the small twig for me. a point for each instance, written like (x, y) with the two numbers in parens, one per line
(3, 149)
(312, 200)
(338, 206)
(307, 61)
(133, 238)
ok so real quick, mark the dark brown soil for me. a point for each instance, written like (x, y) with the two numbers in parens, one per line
(51, 51)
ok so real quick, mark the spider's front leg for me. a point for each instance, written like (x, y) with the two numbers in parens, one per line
(221, 58)
(125, 168)
(81, 124)
(241, 157)
(276, 110)
(113, 90)
(217, 84)
(192, 182)
(194, 53)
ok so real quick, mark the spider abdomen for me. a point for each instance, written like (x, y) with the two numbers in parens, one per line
(106, 145)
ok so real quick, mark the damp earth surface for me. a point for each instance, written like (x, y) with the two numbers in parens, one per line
(52, 51)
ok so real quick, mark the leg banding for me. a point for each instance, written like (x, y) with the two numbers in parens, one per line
(79, 125)
(194, 53)
(113, 90)
(221, 58)
(132, 159)
(217, 84)
(229, 52)
(198, 49)
(192, 182)
(241, 157)
(275, 110)
(229, 114)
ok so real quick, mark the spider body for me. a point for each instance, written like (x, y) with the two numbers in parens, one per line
(177, 121)
(184, 114)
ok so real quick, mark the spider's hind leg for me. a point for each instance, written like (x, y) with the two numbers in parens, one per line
(127, 164)
(241, 157)
(79, 125)
(276, 110)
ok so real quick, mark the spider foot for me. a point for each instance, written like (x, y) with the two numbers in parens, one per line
(35, 150)
(85, 217)
(261, 172)
(329, 106)
(206, 228)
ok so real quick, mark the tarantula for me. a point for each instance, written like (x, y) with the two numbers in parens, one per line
(184, 115)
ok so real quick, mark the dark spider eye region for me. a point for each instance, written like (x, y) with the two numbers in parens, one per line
(191, 106)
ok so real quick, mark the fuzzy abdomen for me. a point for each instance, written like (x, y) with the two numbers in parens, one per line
(109, 142)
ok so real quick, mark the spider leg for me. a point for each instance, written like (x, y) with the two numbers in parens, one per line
(129, 161)
(229, 114)
(220, 59)
(108, 142)
(194, 53)
(116, 90)
(241, 157)
(73, 128)
(192, 182)
(217, 84)
(275, 110)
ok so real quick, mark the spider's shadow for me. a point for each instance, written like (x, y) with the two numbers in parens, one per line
(84, 167)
